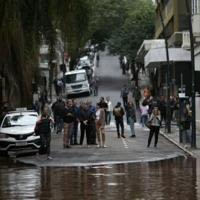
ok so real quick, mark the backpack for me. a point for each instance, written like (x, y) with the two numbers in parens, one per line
(43, 127)
(118, 112)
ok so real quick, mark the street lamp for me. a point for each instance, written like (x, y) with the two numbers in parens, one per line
(193, 136)
(168, 111)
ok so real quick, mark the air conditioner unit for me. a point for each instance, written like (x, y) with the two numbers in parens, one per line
(175, 40)
(186, 40)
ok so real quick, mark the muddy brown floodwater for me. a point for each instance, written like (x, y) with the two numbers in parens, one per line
(171, 180)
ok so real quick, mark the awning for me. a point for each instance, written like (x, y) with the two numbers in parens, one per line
(156, 57)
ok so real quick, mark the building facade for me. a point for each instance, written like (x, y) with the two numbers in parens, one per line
(174, 16)
(196, 31)
(176, 26)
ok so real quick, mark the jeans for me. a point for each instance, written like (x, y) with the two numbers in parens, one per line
(131, 124)
(120, 123)
(108, 118)
(125, 100)
(59, 123)
(74, 133)
(186, 136)
(144, 119)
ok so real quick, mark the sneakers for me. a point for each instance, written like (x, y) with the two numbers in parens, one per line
(123, 136)
(133, 136)
(99, 146)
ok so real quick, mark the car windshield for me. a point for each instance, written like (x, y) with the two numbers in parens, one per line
(75, 78)
(19, 120)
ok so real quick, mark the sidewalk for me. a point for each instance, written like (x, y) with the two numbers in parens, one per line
(120, 150)
(174, 138)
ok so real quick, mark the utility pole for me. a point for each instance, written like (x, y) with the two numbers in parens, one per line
(193, 136)
(168, 111)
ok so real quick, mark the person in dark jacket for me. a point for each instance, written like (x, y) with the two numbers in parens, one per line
(69, 118)
(92, 124)
(84, 123)
(85, 117)
(58, 108)
(43, 129)
(118, 112)
(124, 95)
(131, 115)
(73, 140)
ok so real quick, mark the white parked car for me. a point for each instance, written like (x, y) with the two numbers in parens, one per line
(17, 132)
(83, 62)
(76, 82)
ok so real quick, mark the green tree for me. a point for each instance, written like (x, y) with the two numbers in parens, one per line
(138, 25)
(24, 25)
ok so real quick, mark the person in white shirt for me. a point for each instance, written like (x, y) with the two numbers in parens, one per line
(144, 109)
(100, 125)
(109, 110)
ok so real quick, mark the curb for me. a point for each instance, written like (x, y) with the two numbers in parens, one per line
(177, 144)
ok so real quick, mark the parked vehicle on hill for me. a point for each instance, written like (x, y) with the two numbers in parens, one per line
(76, 82)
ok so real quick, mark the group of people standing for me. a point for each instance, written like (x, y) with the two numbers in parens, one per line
(68, 116)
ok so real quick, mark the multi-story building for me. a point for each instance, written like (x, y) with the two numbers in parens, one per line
(196, 31)
(175, 19)
(174, 14)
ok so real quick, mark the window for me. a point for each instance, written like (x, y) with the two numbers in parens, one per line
(74, 78)
(19, 120)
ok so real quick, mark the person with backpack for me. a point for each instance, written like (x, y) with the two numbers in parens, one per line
(124, 95)
(118, 112)
(43, 129)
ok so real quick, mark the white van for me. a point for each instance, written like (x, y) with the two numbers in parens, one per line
(76, 82)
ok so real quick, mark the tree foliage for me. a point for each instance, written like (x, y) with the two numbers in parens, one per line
(24, 25)
(123, 24)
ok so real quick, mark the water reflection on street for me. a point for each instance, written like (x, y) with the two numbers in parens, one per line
(172, 179)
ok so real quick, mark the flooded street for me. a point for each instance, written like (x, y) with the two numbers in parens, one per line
(172, 179)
